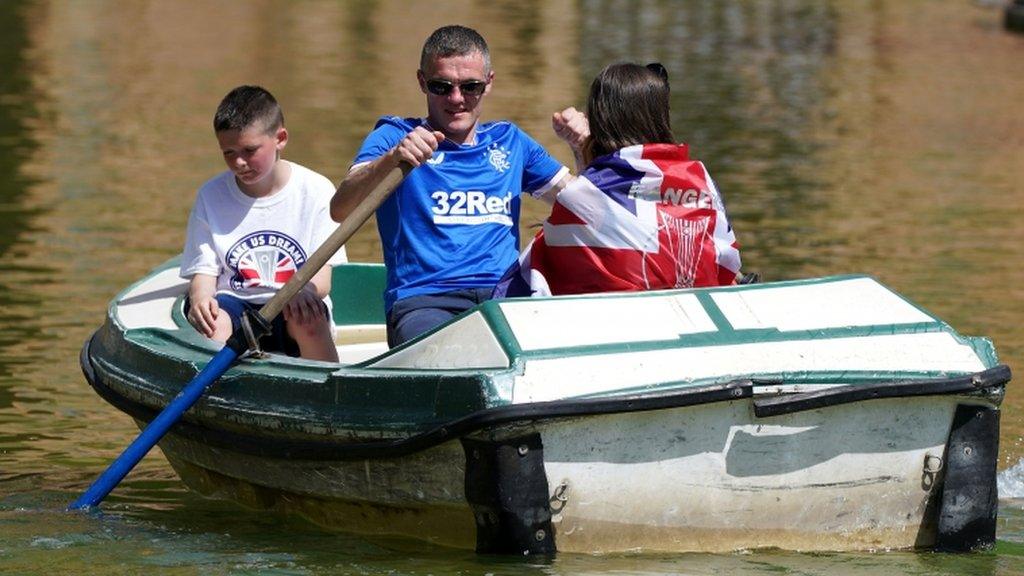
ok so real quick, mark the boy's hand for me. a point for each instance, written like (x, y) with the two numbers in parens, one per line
(202, 315)
(418, 146)
(305, 307)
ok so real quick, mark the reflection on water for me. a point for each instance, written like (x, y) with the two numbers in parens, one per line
(16, 115)
(878, 137)
(748, 88)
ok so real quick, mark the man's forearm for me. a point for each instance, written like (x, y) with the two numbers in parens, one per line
(358, 184)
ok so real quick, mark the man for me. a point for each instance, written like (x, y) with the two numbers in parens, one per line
(450, 230)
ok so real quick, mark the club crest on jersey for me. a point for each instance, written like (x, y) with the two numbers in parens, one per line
(264, 259)
(498, 155)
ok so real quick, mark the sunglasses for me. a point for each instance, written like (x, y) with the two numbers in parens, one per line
(468, 88)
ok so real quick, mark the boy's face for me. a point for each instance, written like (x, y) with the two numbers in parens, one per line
(252, 153)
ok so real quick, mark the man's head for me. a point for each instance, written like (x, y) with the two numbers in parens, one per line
(455, 74)
(628, 105)
(251, 134)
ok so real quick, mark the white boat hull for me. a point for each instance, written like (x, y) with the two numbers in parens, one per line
(701, 478)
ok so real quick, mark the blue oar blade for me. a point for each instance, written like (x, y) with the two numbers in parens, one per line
(156, 429)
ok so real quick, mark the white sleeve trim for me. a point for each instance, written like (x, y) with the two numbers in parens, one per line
(551, 183)
(193, 270)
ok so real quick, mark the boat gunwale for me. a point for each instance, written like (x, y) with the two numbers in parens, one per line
(987, 384)
(493, 315)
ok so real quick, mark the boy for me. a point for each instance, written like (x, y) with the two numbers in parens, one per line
(253, 226)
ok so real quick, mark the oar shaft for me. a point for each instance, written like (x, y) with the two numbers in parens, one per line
(155, 430)
(359, 215)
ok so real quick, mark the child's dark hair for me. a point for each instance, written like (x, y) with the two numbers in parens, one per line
(248, 106)
(628, 105)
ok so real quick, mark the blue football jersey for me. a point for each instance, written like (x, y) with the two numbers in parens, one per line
(453, 222)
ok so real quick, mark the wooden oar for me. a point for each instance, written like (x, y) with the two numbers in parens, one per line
(237, 344)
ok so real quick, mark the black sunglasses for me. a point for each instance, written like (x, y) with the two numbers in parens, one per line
(468, 88)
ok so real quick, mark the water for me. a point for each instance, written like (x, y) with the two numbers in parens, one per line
(879, 137)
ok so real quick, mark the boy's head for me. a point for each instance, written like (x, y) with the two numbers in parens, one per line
(251, 134)
(248, 107)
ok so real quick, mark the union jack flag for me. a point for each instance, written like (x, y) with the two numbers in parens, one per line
(644, 218)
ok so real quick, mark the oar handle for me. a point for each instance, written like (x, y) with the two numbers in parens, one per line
(359, 215)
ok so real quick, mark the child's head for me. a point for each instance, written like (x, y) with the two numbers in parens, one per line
(248, 107)
(251, 133)
(628, 105)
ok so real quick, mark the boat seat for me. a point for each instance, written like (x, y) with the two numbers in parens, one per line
(358, 342)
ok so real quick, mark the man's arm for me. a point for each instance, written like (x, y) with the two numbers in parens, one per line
(414, 149)
(549, 196)
(571, 126)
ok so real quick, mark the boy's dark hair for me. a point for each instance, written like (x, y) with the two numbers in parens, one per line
(454, 40)
(248, 106)
(628, 105)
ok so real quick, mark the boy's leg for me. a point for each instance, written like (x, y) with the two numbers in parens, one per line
(315, 339)
(223, 327)
(227, 321)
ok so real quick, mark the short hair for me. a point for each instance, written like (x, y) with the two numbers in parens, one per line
(246, 107)
(454, 40)
(628, 105)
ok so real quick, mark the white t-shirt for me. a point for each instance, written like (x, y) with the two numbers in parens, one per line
(254, 245)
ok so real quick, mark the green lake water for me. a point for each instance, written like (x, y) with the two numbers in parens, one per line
(883, 137)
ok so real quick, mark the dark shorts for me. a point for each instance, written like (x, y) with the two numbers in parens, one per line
(412, 316)
(277, 341)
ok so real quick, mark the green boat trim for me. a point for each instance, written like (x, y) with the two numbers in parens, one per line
(983, 384)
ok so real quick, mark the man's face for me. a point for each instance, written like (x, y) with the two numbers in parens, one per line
(455, 113)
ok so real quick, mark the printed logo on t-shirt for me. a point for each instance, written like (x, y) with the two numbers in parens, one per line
(436, 159)
(498, 155)
(264, 259)
(471, 207)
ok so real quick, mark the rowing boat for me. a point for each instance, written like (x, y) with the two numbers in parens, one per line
(819, 414)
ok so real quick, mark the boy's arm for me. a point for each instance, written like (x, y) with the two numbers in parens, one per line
(414, 149)
(321, 282)
(203, 307)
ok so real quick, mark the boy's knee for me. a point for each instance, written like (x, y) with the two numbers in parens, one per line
(309, 330)
(222, 328)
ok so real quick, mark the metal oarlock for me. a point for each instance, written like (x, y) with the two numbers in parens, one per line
(254, 327)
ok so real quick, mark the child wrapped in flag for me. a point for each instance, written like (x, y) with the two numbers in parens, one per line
(641, 216)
